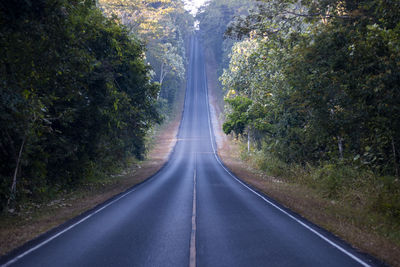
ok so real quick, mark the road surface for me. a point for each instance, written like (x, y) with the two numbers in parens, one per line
(193, 212)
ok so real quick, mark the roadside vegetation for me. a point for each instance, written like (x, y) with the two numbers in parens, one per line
(165, 28)
(312, 94)
(82, 88)
(91, 98)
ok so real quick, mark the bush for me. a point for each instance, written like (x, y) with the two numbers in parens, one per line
(387, 199)
(332, 179)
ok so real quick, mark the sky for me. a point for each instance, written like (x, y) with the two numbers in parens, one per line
(193, 5)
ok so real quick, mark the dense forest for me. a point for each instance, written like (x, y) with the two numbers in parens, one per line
(214, 18)
(81, 87)
(313, 87)
(165, 27)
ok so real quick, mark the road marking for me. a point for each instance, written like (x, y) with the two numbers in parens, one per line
(351, 255)
(192, 261)
(20, 256)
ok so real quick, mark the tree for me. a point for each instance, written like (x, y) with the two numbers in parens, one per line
(214, 18)
(165, 27)
(323, 75)
(76, 97)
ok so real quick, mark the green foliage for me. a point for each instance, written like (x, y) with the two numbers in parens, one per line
(236, 120)
(334, 178)
(165, 27)
(214, 18)
(387, 200)
(272, 165)
(323, 80)
(76, 95)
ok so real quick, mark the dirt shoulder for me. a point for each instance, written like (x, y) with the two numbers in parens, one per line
(327, 214)
(36, 219)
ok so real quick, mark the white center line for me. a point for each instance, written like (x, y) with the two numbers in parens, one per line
(192, 262)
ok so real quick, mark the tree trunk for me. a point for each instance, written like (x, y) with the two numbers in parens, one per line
(248, 141)
(340, 145)
(14, 182)
(162, 74)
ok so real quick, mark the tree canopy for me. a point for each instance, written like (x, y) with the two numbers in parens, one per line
(214, 18)
(165, 27)
(322, 78)
(76, 96)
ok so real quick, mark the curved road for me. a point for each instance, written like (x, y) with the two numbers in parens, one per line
(192, 212)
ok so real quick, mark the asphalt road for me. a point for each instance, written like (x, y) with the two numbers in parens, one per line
(193, 212)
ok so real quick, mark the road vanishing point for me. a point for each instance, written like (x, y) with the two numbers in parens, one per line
(193, 212)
